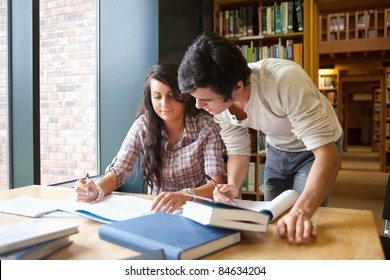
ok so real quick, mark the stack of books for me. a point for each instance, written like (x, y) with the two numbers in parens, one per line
(34, 239)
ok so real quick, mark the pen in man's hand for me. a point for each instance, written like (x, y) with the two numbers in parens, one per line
(216, 185)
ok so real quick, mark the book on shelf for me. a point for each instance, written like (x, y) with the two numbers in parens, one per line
(251, 176)
(342, 22)
(289, 49)
(261, 142)
(298, 6)
(251, 21)
(290, 17)
(278, 20)
(270, 20)
(231, 17)
(244, 185)
(260, 18)
(284, 15)
(114, 207)
(179, 237)
(247, 215)
(38, 251)
(261, 175)
(298, 53)
(220, 22)
(31, 232)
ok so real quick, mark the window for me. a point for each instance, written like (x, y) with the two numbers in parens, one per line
(68, 102)
(54, 127)
(3, 98)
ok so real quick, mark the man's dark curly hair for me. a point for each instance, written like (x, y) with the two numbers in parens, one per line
(214, 62)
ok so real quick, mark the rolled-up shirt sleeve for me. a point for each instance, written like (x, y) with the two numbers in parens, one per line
(235, 138)
(212, 150)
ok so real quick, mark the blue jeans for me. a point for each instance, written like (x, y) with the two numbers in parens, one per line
(289, 170)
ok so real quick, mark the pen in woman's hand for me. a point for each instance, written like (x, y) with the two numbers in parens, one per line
(87, 180)
(216, 185)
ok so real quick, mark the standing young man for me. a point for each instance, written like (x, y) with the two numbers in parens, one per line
(276, 96)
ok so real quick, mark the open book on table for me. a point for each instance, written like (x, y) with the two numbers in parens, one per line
(247, 215)
(112, 208)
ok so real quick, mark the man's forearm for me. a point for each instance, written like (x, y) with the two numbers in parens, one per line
(237, 169)
(321, 178)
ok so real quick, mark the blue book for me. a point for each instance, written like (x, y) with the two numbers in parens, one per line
(149, 255)
(179, 237)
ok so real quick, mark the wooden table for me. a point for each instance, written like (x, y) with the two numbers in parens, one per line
(343, 234)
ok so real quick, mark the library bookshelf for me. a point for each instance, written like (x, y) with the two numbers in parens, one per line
(328, 84)
(269, 28)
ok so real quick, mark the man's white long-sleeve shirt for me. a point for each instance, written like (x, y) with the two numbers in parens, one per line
(286, 105)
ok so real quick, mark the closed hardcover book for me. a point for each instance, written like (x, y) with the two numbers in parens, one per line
(33, 231)
(179, 237)
(226, 216)
(251, 177)
(39, 251)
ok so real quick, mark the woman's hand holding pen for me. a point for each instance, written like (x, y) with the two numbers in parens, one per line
(86, 190)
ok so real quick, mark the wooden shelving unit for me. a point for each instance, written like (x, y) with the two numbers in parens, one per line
(385, 160)
(360, 30)
(257, 160)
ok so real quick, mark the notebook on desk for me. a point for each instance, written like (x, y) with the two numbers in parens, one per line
(111, 209)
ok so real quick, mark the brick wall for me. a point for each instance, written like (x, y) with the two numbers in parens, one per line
(67, 90)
